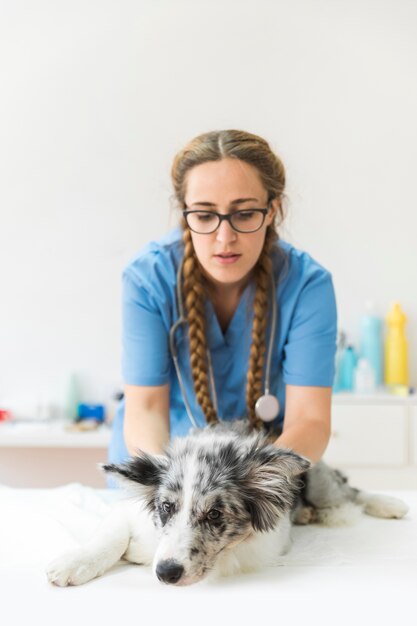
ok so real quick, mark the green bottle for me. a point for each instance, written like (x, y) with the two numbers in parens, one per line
(73, 398)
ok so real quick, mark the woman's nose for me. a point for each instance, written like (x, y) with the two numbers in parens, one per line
(225, 232)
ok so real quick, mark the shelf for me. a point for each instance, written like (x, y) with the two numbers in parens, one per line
(381, 397)
(51, 434)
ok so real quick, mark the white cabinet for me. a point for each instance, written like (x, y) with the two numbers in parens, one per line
(368, 435)
(46, 454)
(413, 435)
(374, 440)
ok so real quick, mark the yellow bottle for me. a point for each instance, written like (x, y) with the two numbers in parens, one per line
(396, 350)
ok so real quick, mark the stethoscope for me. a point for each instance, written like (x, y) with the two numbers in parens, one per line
(267, 406)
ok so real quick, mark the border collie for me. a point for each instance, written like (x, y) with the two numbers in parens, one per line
(220, 501)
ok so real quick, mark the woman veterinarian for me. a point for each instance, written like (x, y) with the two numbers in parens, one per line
(256, 331)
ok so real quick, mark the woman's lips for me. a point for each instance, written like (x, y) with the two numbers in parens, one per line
(227, 260)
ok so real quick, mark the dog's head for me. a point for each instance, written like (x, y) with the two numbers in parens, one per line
(208, 494)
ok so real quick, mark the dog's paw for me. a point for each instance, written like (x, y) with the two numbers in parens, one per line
(72, 568)
(305, 515)
(385, 506)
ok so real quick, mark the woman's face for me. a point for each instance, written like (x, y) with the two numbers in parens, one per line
(226, 186)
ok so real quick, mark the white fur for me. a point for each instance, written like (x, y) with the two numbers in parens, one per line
(174, 545)
(382, 506)
(258, 551)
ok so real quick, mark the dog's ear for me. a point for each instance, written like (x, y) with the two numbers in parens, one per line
(141, 475)
(271, 484)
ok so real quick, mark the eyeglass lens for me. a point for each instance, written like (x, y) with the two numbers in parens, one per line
(242, 221)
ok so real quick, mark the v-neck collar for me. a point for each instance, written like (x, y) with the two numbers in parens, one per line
(242, 316)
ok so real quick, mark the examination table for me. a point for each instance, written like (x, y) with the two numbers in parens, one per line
(365, 573)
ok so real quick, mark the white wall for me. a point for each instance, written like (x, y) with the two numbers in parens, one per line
(96, 98)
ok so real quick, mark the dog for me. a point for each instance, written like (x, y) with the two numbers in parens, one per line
(220, 501)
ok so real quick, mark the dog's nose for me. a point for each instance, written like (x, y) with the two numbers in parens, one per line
(169, 571)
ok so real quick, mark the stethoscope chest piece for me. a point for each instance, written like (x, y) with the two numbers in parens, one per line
(267, 407)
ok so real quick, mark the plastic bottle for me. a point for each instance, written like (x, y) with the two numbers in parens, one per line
(396, 350)
(364, 377)
(341, 345)
(73, 398)
(347, 368)
(371, 344)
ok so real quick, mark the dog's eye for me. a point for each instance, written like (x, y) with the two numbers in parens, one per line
(167, 507)
(213, 514)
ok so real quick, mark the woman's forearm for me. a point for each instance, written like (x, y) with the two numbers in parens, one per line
(307, 437)
(146, 418)
(147, 431)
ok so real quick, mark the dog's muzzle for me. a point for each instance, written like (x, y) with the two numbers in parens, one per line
(169, 571)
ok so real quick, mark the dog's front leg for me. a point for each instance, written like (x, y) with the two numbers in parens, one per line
(108, 545)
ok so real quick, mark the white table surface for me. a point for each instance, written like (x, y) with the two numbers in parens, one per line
(360, 574)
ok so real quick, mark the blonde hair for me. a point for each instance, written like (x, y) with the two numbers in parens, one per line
(214, 146)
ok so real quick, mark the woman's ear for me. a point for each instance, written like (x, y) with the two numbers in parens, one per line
(273, 210)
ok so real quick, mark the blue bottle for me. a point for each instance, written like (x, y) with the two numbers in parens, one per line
(341, 345)
(371, 343)
(347, 369)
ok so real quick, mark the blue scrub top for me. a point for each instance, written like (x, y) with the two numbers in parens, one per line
(303, 352)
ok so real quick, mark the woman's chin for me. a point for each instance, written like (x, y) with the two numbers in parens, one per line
(228, 276)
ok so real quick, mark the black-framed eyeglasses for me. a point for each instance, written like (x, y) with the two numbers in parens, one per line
(242, 221)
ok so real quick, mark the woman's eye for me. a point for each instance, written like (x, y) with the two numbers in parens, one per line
(245, 215)
(213, 514)
(204, 217)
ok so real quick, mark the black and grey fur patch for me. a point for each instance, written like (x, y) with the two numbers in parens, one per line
(142, 473)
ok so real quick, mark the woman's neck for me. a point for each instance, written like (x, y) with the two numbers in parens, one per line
(225, 299)
(225, 292)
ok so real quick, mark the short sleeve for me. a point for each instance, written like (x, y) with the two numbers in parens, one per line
(145, 349)
(310, 348)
